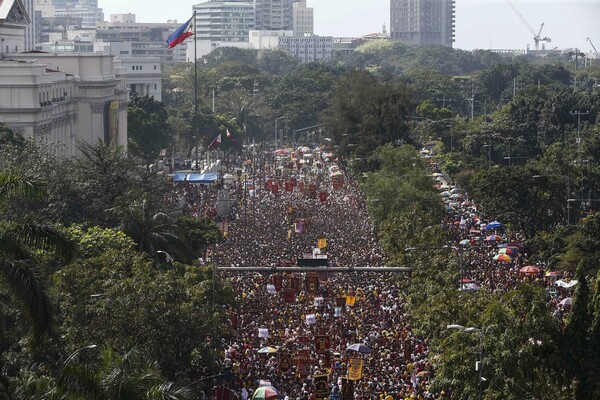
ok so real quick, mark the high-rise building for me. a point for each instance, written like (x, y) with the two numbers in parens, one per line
(224, 21)
(273, 15)
(304, 22)
(422, 22)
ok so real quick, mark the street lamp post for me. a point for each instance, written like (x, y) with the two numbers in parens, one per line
(479, 363)
(168, 258)
(276, 132)
(75, 354)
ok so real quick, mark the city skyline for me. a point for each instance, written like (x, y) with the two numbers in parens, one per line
(480, 24)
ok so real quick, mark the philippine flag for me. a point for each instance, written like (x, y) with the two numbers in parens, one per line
(216, 141)
(182, 33)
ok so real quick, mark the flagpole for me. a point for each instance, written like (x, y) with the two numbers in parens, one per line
(197, 134)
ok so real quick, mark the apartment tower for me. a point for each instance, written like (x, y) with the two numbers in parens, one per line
(422, 22)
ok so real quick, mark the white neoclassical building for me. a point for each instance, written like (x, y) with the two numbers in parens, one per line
(62, 98)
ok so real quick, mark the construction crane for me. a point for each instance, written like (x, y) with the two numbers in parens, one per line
(537, 38)
(593, 47)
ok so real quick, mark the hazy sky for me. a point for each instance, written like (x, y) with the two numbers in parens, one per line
(481, 24)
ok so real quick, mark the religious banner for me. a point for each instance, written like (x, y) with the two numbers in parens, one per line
(296, 284)
(322, 344)
(312, 282)
(289, 296)
(321, 387)
(355, 368)
(350, 300)
(322, 243)
(287, 282)
(303, 358)
(323, 276)
(274, 188)
(289, 186)
(340, 301)
(347, 389)
(299, 225)
(311, 319)
(277, 282)
(285, 362)
(300, 186)
(323, 197)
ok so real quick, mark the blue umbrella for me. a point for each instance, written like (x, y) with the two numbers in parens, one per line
(360, 347)
(494, 225)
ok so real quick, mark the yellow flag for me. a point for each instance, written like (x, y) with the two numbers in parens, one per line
(350, 300)
(322, 243)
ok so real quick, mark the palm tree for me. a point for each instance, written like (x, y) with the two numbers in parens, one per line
(129, 377)
(18, 241)
(150, 231)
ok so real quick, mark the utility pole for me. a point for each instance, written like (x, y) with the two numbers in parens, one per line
(579, 155)
(472, 101)
(444, 100)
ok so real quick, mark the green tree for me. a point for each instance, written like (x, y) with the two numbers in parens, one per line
(132, 376)
(151, 230)
(197, 234)
(147, 128)
(367, 113)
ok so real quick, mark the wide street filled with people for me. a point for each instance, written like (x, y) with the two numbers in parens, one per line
(291, 329)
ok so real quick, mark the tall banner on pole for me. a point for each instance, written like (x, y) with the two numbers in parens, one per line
(321, 389)
(303, 363)
(355, 369)
(285, 362)
(322, 344)
(347, 389)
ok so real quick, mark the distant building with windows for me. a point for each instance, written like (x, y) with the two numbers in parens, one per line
(273, 15)
(59, 98)
(422, 22)
(304, 21)
(224, 21)
(142, 76)
(308, 48)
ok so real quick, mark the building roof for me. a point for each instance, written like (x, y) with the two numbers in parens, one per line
(13, 11)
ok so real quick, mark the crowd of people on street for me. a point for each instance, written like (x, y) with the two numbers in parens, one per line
(291, 329)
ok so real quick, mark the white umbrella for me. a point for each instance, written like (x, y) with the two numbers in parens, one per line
(566, 301)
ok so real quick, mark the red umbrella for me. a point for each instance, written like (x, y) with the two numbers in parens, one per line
(529, 269)
(467, 280)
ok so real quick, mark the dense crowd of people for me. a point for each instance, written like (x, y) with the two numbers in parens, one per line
(293, 328)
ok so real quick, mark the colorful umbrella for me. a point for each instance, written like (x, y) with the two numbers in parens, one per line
(360, 347)
(553, 273)
(503, 258)
(282, 151)
(529, 269)
(494, 225)
(493, 238)
(266, 393)
(267, 350)
(470, 287)
(507, 250)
